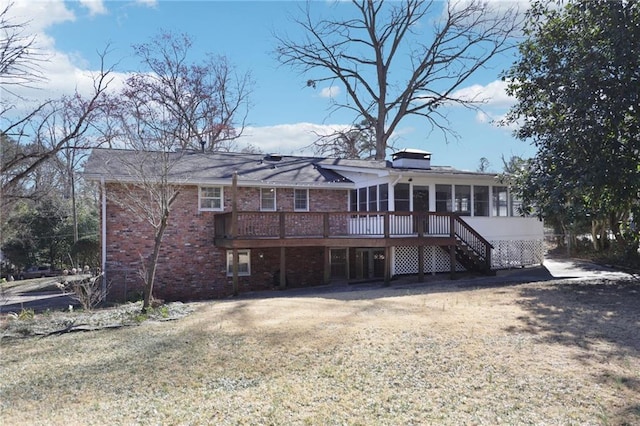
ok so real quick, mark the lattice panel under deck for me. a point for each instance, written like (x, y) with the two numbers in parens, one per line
(513, 254)
(435, 260)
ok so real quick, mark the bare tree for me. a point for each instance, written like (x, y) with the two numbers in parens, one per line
(50, 128)
(362, 54)
(147, 191)
(30, 139)
(207, 103)
(158, 115)
(19, 58)
(358, 141)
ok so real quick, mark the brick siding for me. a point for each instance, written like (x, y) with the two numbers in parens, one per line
(190, 266)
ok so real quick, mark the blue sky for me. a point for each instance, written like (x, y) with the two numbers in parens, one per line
(284, 111)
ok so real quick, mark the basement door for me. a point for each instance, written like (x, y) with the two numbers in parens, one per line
(369, 263)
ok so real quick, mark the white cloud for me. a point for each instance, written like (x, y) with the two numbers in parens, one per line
(287, 139)
(96, 7)
(148, 3)
(493, 94)
(330, 92)
(38, 15)
(64, 72)
(482, 117)
(514, 8)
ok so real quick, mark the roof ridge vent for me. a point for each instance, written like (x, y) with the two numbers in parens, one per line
(273, 157)
(411, 159)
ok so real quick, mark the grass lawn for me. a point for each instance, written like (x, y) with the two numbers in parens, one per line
(557, 352)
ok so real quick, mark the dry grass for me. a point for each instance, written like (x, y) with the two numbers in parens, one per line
(558, 352)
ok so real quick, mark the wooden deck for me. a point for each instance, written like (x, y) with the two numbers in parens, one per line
(251, 230)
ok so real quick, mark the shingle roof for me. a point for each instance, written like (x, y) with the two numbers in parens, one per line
(200, 168)
(259, 169)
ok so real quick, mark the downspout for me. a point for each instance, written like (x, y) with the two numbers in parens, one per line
(103, 236)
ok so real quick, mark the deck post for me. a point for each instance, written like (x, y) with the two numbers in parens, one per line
(325, 225)
(420, 222)
(348, 268)
(387, 263)
(327, 265)
(234, 205)
(236, 260)
(452, 261)
(282, 225)
(283, 268)
(420, 263)
(387, 231)
(234, 230)
(452, 248)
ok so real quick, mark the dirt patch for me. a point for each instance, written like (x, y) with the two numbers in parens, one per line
(555, 352)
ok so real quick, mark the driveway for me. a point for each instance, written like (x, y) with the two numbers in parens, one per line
(561, 268)
(38, 294)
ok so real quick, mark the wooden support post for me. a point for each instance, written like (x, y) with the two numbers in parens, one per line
(283, 268)
(234, 230)
(452, 248)
(387, 264)
(327, 265)
(420, 264)
(387, 231)
(282, 225)
(234, 205)
(236, 260)
(348, 267)
(452, 260)
(325, 222)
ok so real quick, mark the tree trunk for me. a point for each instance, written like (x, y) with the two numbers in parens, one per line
(153, 264)
(381, 143)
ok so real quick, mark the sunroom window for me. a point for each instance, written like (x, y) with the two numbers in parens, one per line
(444, 203)
(401, 197)
(500, 201)
(481, 201)
(463, 200)
(384, 197)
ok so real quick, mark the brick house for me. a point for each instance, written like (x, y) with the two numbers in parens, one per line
(291, 221)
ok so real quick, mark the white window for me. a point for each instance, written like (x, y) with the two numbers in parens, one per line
(210, 198)
(244, 262)
(481, 200)
(268, 199)
(301, 200)
(500, 201)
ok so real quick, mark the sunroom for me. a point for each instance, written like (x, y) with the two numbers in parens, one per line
(480, 199)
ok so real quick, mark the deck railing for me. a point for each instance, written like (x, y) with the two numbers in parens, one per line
(282, 225)
(250, 225)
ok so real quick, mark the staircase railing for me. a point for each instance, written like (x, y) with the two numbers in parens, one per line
(468, 236)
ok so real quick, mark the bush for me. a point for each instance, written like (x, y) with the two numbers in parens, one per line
(87, 291)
